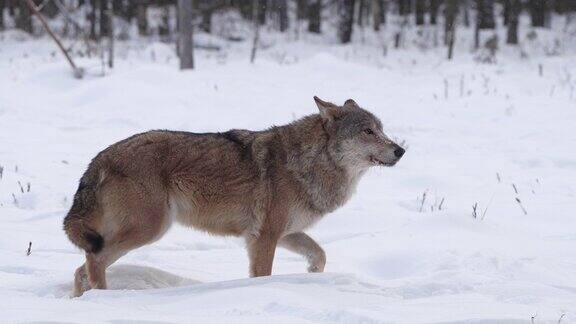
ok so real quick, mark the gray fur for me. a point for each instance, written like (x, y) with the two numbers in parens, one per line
(266, 186)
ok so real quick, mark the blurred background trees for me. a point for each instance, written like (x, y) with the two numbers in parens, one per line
(340, 20)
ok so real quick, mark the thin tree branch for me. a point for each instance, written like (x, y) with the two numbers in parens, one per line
(78, 73)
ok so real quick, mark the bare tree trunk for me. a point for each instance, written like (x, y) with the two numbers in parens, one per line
(164, 27)
(206, 23)
(485, 14)
(477, 31)
(514, 8)
(117, 7)
(537, 12)
(142, 18)
(366, 12)
(384, 11)
(466, 9)
(126, 10)
(506, 11)
(282, 10)
(404, 11)
(361, 9)
(23, 20)
(262, 9)
(2, 5)
(377, 14)
(434, 5)
(548, 13)
(110, 14)
(206, 9)
(540, 11)
(314, 16)
(92, 18)
(11, 8)
(50, 9)
(255, 20)
(104, 21)
(185, 48)
(420, 11)
(346, 17)
(245, 8)
(404, 7)
(301, 8)
(450, 26)
(450, 12)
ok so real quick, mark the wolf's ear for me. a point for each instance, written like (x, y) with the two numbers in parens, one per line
(351, 104)
(328, 110)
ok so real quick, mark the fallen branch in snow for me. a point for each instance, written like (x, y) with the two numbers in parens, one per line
(29, 251)
(561, 317)
(77, 72)
(520, 204)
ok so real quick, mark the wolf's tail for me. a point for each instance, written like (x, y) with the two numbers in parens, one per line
(78, 222)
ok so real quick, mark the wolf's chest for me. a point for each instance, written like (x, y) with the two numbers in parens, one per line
(330, 193)
(317, 204)
(301, 219)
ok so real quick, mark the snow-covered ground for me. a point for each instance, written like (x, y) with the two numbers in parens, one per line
(477, 135)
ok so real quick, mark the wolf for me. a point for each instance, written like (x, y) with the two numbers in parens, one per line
(264, 186)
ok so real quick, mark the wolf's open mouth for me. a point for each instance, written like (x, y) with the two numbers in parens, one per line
(376, 161)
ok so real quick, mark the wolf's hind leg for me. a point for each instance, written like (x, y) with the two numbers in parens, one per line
(92, 274)
(118, 246)
(96, 269)
(304, 245)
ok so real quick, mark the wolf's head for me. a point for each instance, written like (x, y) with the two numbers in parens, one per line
(356, 137)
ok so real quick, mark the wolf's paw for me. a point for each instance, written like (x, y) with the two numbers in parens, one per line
(316, 268)
(317, 262)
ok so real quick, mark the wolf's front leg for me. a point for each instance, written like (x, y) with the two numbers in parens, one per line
(304, 245)
(261, 253)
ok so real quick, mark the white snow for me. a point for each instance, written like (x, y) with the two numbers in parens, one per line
(390, 257)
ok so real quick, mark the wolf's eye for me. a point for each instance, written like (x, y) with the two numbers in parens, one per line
(369, 131)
